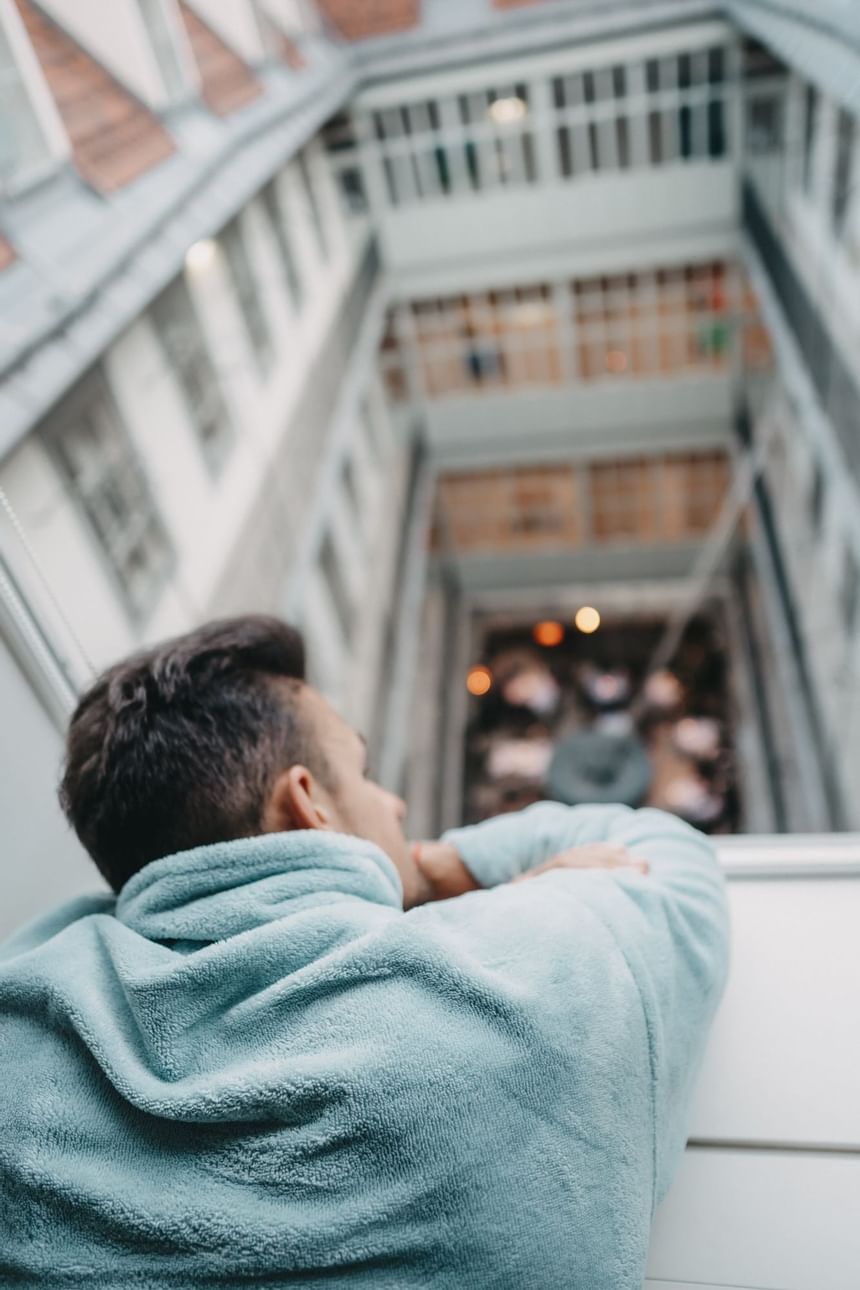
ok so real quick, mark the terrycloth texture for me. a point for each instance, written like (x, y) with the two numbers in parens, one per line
(255, 1068)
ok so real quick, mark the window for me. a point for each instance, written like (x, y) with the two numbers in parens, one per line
(639, 500)
(817, 495)
(175, 320)
(625, 505)
(652, 324)
(92, 451)
(676, 106)
(521, 508)
(458, 144)
(248, 295)
(483, 340)
(273, 206)
(849, 595)
(373, 432)
(810, 129)
(608, 328)
(652, 499)
(312, 419)
(341, 146)
(312, 204)
(595, 137)
(700, 484)
(163, 39)
(765, 126)
(846, 146)
(24, 151)
(351, 492)
(333, 574)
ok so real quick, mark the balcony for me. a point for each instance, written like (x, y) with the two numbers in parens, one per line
(766, 1197)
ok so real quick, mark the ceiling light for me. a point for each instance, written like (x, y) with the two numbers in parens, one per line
(587, 619)
(200, 256)
(507, 111)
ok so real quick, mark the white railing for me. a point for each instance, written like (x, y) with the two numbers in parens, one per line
(790, 855)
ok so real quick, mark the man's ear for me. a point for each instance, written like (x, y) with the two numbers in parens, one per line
(296, 802)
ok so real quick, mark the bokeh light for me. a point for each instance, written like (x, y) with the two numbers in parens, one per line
(200, 256)
(548, 633)
(587, 619)
(479, 680)
(506, 111)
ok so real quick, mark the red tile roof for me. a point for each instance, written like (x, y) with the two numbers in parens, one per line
(7, 253)
(360, 19)
(227, 83)
(114, 138)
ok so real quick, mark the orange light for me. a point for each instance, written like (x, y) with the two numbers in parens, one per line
(616, 361)
(479, 681)
(549, 633)
(587, 619)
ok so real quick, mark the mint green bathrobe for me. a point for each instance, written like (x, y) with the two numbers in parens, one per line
(254, 1069)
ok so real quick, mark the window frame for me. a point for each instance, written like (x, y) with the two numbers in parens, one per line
(93, 395)
(248, 295)
(25, 68)
(274, 208)
(313, 206)
(333, 578)
(215, 448)
(176, 41)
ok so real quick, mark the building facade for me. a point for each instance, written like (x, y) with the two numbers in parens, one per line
(414, 320)
(387, 316)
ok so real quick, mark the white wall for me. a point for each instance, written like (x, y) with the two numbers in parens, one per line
(43, 863)
(608, 216)
(595, 419)
(115, 35)
(234, 22)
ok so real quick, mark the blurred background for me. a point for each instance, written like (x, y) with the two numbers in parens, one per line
(510, 349)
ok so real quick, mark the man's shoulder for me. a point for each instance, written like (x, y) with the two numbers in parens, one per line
(41, 931)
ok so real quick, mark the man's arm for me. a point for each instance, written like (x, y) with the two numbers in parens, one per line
(507, 846)
(670, 926)
(518, 845)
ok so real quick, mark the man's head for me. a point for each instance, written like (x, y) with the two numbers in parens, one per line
(214, 736)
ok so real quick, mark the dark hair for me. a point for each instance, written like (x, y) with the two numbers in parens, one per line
(179, 745)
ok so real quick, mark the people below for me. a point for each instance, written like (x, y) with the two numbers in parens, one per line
(658, 719)
(596, 766)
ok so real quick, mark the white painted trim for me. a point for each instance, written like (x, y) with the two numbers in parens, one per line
(790, 855)
(36, 87)
(559, 61)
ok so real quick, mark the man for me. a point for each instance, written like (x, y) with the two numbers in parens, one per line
(292, 1051)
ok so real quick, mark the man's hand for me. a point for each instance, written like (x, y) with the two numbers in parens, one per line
(447, 876)
(596, 855)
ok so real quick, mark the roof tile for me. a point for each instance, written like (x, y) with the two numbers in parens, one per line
(227, 82)
(361, 19)
(7, 253)
(114, 137)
